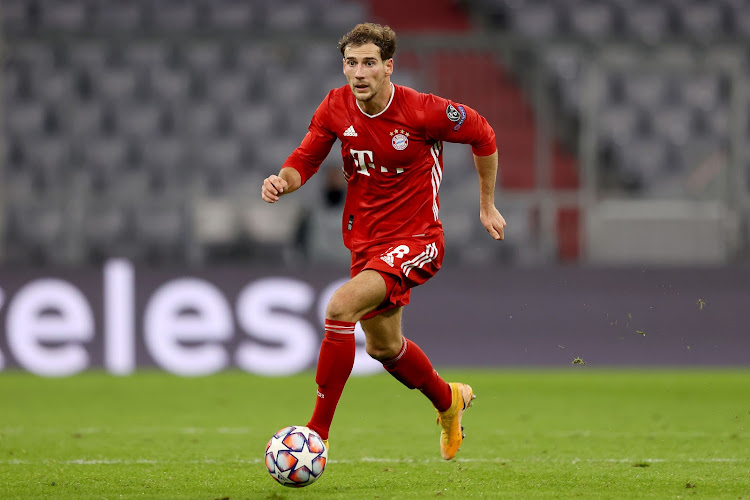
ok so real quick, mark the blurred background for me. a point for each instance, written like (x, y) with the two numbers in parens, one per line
(143, 129)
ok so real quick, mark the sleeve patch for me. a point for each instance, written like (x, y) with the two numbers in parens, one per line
(453, 114)
(461, 112)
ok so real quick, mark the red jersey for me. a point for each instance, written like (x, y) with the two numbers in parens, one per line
(394, 159)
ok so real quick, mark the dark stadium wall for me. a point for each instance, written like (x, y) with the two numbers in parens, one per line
(195, 323)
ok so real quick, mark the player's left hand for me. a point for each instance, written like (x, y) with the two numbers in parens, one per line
(493, 222)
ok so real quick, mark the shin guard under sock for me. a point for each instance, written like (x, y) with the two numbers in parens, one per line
(413, 368)
(335, 364)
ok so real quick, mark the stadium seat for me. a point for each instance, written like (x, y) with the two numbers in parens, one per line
(138, 120)
(227, 88)
(647, 22)
(715, 121)
(674, 123)
(271, 230)
(106, 154)
(232, 15)
(701, 20)
(53, 86)
(115, 84)
(161, 231)
(38, 230)
(643, 160)
(254, 121)
(592, 21)
(84, 120)
(322, 59)
(675, 55)
(215, 227)
(106, 230)
(646, 90)
(145, 55)
(170, 85)
(205, 57)
(323, 243)
(218, 162)
(287, 93)
(64, 15)
(30, 55)
(16, 16)
(458, 162)
(741, 20)
(254, 58)
(536, 21)
(564, 63)
(618, 124)
(88, 55)
(288, 17)
(24, 118)
(342, 16)
(164, 152)
(274, 152)
(121, 17)
(702, 91)
(198, 120)
(51, 155)
(165, 166)
(178, 16)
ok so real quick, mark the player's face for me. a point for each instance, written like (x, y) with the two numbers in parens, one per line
(366, 72)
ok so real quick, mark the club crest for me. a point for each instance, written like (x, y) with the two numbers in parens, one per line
(399, 139)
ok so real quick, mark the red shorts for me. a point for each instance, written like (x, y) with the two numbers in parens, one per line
(404, 264)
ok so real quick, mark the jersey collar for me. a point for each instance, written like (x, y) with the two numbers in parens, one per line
(393, 92)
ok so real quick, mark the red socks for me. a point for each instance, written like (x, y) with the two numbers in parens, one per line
(335, 364)
(412, 368)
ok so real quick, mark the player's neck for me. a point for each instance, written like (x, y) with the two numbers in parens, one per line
(379, 102)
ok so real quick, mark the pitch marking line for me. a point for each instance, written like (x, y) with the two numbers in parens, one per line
(144, 461)
(576, 433)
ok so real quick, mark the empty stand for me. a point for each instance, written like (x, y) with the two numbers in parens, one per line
(138, 108)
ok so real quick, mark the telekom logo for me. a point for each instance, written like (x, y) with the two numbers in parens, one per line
(360, 162)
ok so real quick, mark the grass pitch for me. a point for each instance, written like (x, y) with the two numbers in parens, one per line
(577, 432)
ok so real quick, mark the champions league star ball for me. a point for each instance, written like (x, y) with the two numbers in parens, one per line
(296, 456)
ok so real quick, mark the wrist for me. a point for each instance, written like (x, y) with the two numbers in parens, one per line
(487, 206)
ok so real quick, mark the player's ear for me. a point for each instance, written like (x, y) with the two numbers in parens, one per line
(389, 67)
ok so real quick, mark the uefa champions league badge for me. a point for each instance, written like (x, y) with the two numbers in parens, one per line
(456, 115)
(400, 139)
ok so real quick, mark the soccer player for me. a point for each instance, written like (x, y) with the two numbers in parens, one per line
(391, 144)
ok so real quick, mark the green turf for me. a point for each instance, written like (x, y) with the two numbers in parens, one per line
(577, 432)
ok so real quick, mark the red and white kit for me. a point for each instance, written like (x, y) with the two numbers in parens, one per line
(394, 161)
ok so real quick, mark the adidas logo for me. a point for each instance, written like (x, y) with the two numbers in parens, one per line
(350, 132)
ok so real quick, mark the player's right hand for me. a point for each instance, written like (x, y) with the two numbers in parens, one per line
(273, 188)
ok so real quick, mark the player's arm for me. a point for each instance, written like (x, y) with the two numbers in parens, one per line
(275, 186)
(304, 161)
(453, 122)
(491, 219)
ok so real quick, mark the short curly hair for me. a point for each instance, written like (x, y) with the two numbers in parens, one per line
(382, 36)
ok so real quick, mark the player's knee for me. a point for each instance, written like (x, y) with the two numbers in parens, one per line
(340, 309)
(382, 352)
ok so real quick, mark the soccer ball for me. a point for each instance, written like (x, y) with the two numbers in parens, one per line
(296, 456)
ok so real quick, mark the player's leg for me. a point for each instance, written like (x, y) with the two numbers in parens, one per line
(403, 358)
(362, 294)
